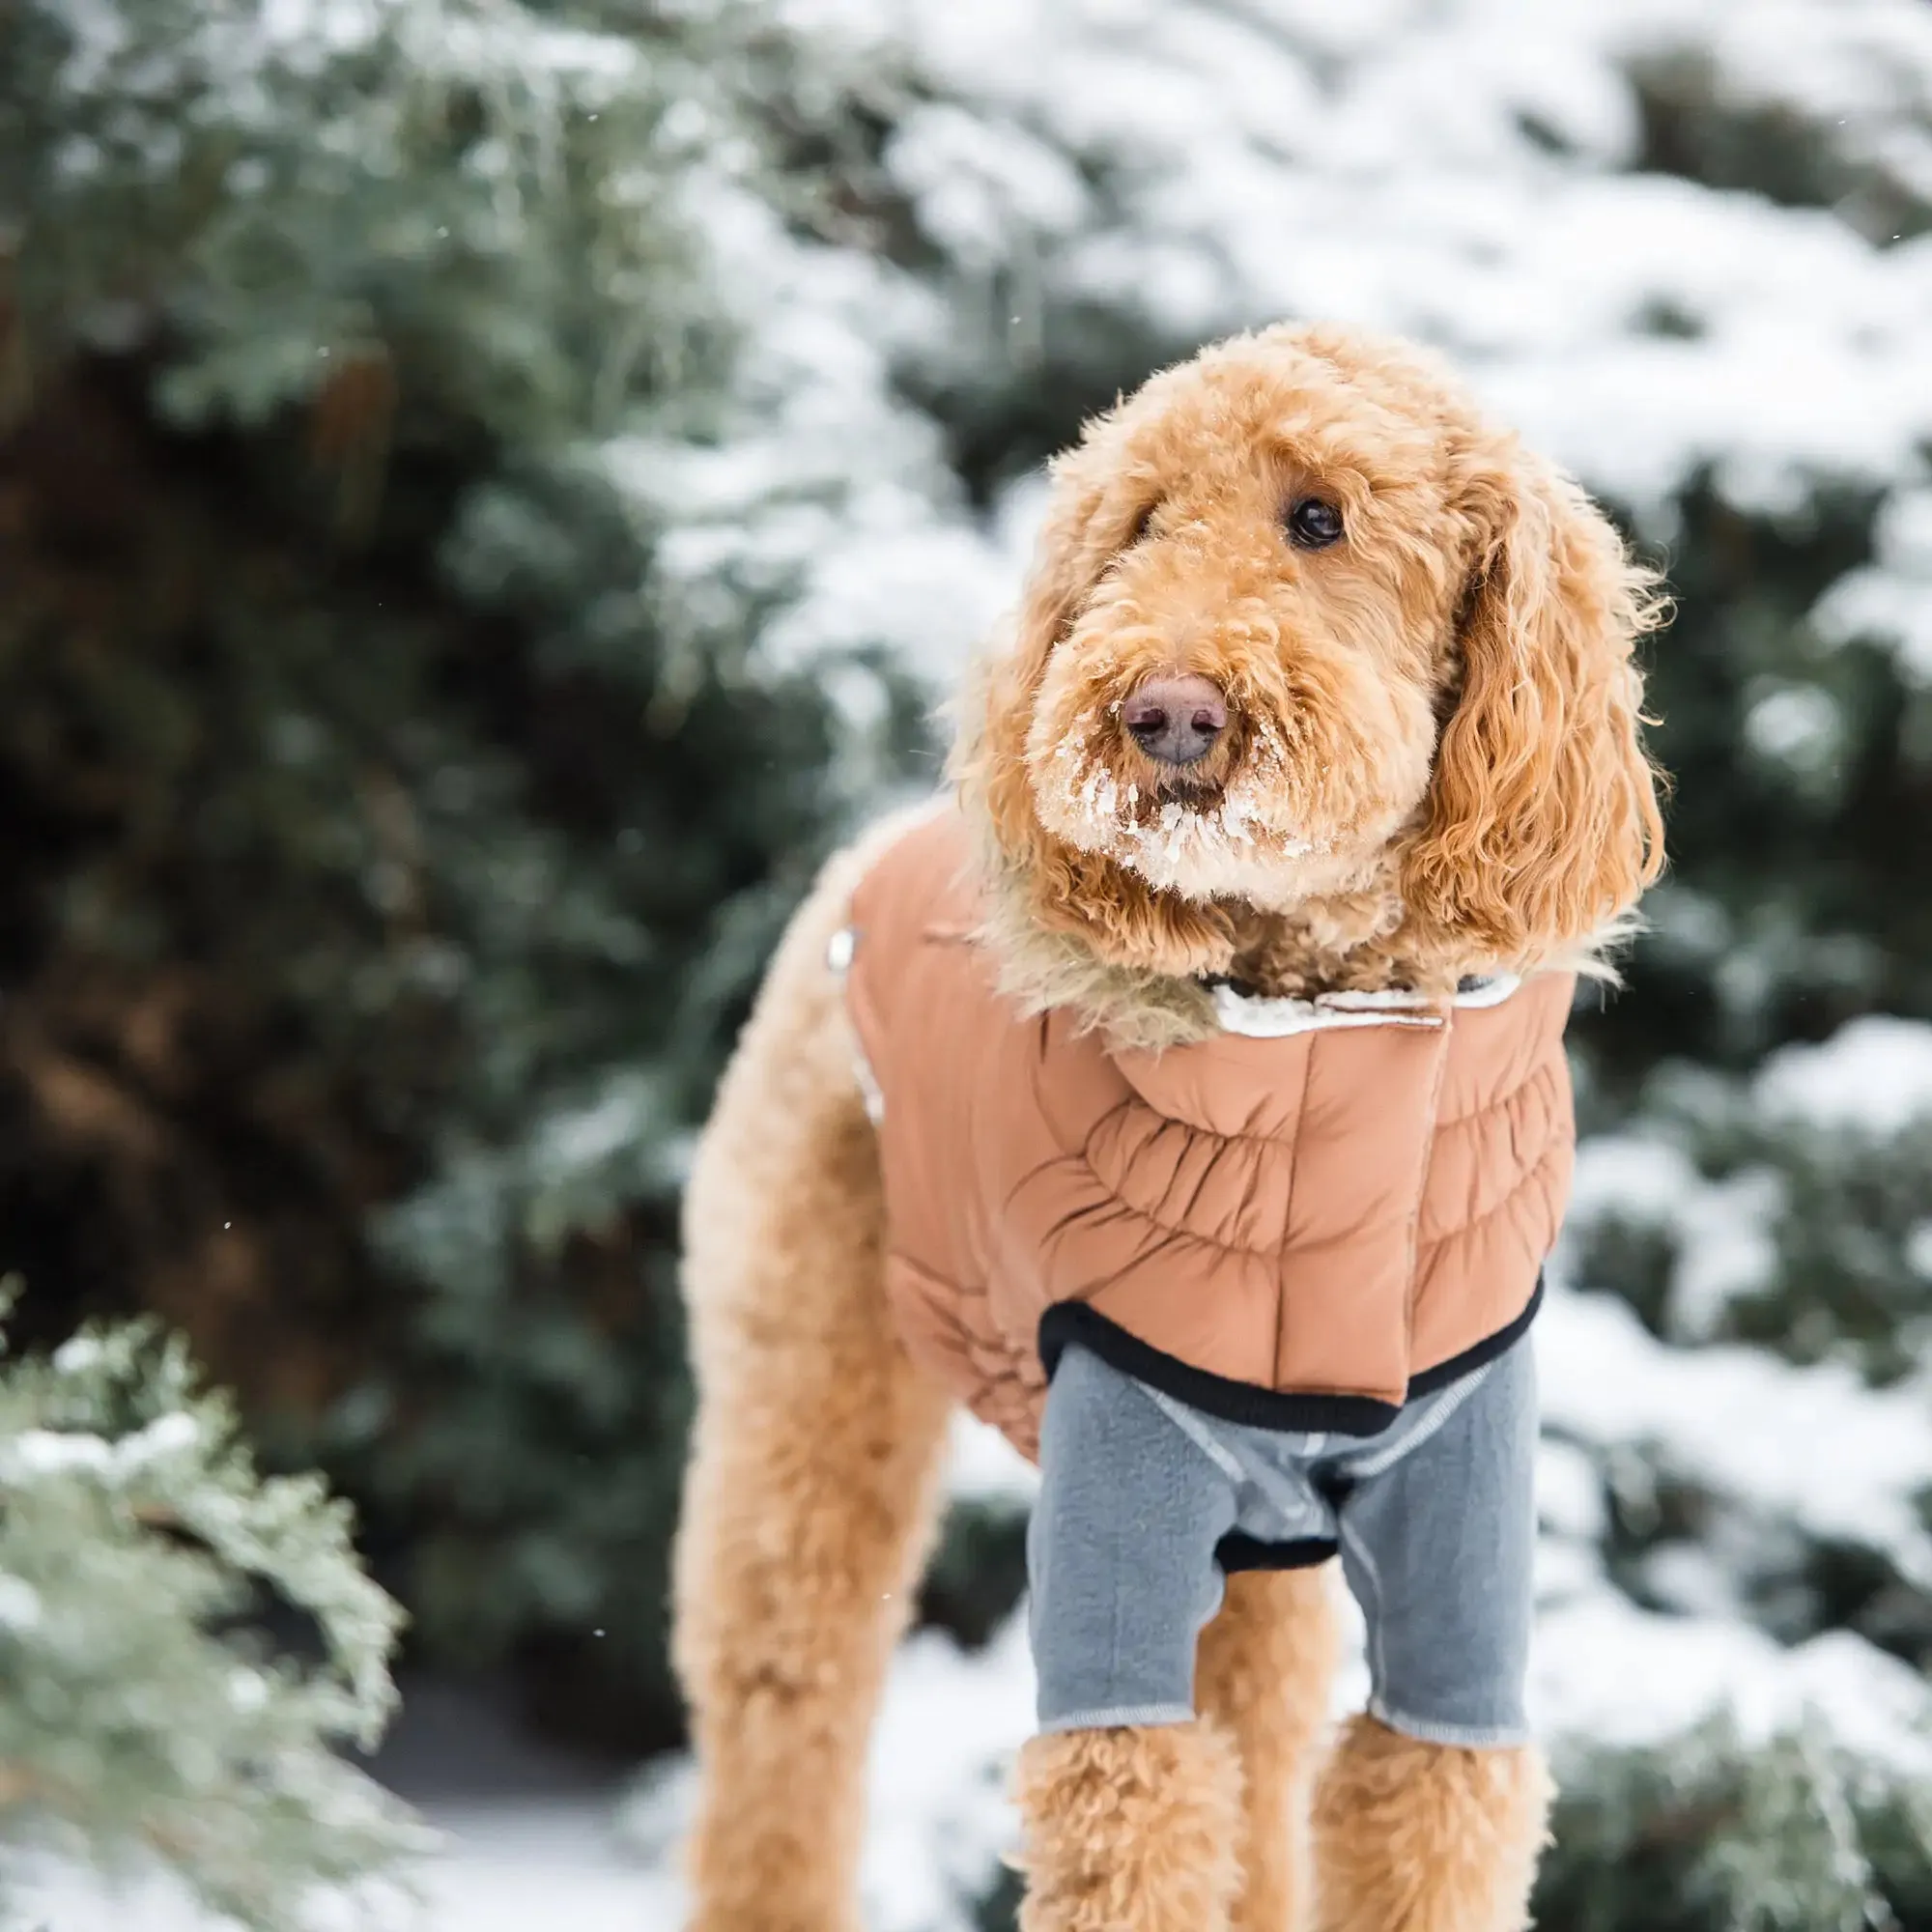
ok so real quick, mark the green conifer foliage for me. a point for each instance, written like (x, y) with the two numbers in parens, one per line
(393, 860)
(141, 1722)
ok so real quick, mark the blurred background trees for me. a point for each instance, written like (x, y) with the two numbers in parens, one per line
(489, 493)
(393, 858)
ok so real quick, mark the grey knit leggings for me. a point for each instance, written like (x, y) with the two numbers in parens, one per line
(1142, 1498)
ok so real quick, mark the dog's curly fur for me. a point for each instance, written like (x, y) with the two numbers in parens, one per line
(1130, 1825)
(1426, 1837)
(1432, 767)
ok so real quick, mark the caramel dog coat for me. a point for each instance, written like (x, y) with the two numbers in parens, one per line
(1299, 1225)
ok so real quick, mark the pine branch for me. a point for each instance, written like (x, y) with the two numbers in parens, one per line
(140, 1708)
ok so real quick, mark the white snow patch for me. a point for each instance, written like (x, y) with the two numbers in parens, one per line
(1918, 1250)
(1633, 1178)
(827, 495)
(1797, 726)
(940, 1817)
(985, 1467)
(1727, 1248)
(79, 1354)
(36, 1453)
(1267, 163)
(20, 1607)
(1891, 598)
(54, 1451)
(1570, 1492)
(1722, 1233)
(171, 1435)
(1606, 1672)
(591, 1134)
(507, 1866)
(1873, 1076)
(1813, 1446)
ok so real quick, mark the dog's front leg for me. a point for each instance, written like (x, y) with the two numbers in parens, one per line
(1431, 1811)
(815, 1470)
(1130, 1802)
(1412, 1837)
(1201, 1825)
(1129, 1828)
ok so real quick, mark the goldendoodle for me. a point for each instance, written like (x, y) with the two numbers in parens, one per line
(1184, 1092)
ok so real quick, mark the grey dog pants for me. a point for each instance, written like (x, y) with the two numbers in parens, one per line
(1142, 1498)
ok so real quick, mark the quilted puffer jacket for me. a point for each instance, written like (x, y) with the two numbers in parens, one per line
(1303, 1224)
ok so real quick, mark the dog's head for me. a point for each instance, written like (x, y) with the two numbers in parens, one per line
(1300, 627)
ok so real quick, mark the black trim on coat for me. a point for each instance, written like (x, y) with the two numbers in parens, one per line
(1249, 1403)
(1236, 1552)
(1483, 1352)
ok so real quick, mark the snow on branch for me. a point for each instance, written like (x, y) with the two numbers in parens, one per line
(143, 1717)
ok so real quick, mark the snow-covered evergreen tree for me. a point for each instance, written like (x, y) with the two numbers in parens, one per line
(429, 666)
(142, 1720)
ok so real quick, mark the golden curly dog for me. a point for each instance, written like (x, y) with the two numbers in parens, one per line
(1319, 682)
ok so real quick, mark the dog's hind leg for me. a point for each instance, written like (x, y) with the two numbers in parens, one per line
(1265, 1666)
(814, 1469)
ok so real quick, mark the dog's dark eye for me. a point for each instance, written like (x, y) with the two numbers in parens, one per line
(1312, 524)
(1142, 525)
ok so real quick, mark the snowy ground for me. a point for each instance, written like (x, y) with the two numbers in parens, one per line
(513, 1864)
(531, 1839)
(533, 1835)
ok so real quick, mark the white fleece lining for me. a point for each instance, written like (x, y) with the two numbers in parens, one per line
(1276, 1019)
(1254, 1018)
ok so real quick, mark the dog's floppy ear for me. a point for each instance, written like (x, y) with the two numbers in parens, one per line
(1069, 554)
(1543, 825)
(1073, 548)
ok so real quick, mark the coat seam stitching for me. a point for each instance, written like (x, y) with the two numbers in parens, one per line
(1542, 1074)
(1552, 1150)
(1288, 1208)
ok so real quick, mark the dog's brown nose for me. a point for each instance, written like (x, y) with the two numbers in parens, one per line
(1176, 719)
